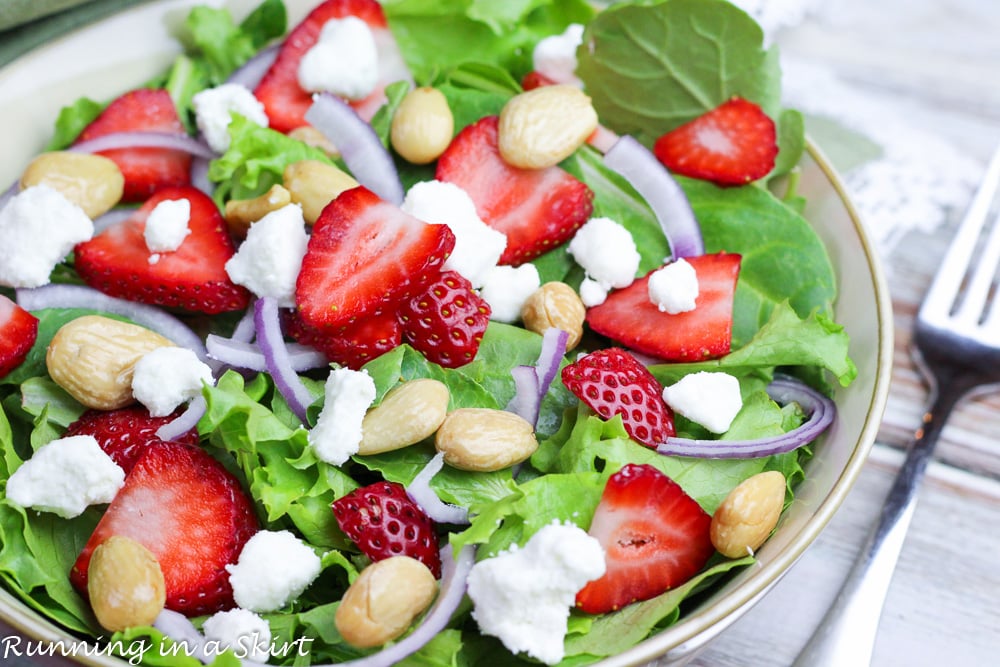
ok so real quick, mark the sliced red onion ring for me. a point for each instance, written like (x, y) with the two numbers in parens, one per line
(420, 492)
(454, 574)
(359, 146)
(651, 179)
(245, 330)
(185, 421)
(199, 175)
(79, 296)
(783, 390)
(525, 400)
(531, 383)
(277, 359)
(144, 139)
(252, 71)
(602, 139)
(177, 626)
(112, 218)
(239, 354)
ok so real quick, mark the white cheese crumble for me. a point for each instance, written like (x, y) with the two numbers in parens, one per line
(592, 293)
(337, 434)
(344, 61)
(524, 596)
(607, 252)
(168, 377)
(268, 261)
(555, 57)
(167, 225)
(246, 633)
(214, 109)
(710, 399)
(273, 569)
(477, 245)
(507, 288)
(39, 227)
(673, 289)
(65, 477)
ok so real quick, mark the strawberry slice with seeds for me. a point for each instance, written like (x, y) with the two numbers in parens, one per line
(354, 347)
(631, 319)
(447, 322)
(733, 144)
(655, 537)
(365, 256)
(538, 209)
(279, 91)
(146, 170)
(125, 433)
(191, 513)
(193, 277)
(18, 331)
(383, 521)
(613, 382)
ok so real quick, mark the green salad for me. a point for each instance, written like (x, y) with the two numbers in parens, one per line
(648, 68)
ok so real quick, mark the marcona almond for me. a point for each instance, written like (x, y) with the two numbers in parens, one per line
(92, 182)
(383, 601)
(310, 136)
(409, 413)
(125, 584)
(555, 304)
(93, 357)
(422, 126)
(314, 184)
(241, 213)
(544, 126)
(748, 514)
(484, 439)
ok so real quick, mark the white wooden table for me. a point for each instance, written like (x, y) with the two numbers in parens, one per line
(941, 60)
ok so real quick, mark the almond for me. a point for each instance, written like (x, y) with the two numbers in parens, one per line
(484, 439)
(749, 513)
(125, 584)
(544, 126)
(241, 213)
(409, 413)
(314, 184)
(92, 182)
(555, 304)
(422, 126)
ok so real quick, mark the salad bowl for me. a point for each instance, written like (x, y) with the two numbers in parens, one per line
(34, 88)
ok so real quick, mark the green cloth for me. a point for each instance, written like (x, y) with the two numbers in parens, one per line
(25, 24)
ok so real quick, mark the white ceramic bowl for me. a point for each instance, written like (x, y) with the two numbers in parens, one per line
(137, 44)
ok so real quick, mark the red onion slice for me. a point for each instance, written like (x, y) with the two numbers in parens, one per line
(531, 383)
(144, 139)
(783, 390)
(177, 626)
(420, 492)
(112, 218)
(245, 330)
(276, 357)
(79, 296)
(664, 195)
(185, 421)
(199, 175)
(525, 400)
(252, 71)
(369, 161)
(240, 354)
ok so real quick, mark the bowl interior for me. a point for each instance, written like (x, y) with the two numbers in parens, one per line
(141, 43)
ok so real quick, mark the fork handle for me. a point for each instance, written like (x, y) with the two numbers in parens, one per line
(846, 636)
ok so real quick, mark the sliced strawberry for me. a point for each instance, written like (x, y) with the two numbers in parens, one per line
(125, 433)
(117, 261)
(364, 257)
(733, 144)
(613, 382)
(145, 169)
(279, 91)
(18, 330)
(383, 521)
(357, 345)
(191, 513)
(655, 537)
(535, 79)
(630, 318)
(538, 209)
(447, 322)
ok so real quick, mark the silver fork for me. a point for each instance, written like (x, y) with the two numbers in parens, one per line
(957, 349)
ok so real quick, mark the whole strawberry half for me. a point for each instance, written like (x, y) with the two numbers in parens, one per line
(193, 277)
(613, 382)
(125, 433)
(655, 537)
(354, 347)
(538, 209)
(18, 331)
(191, 514)
(447, 322)
(279, 91)
(365, 256)
(383, 521)
(628, 316)
(733, 144)
(146, 170)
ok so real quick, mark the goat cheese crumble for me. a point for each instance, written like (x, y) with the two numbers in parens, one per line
(507, 288)
(337, 433)
(168, 377)
(674, 288)
(214, 109)
(555, 57)
(710, 399)
(246, 633)
(167, 225)
(268, 261)
(344, 61)
(607, 252)
(273, 569)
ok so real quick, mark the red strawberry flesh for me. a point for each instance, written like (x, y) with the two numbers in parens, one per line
(447, 322)
(18, 331)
